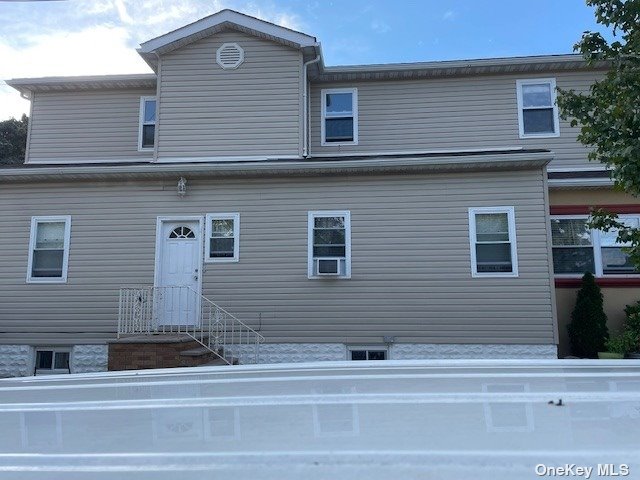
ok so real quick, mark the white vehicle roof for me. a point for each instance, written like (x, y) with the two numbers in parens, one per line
(494, 419)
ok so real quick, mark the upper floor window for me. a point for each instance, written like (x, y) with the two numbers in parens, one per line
(49, 249)
(340, 116)
(492, 234)
(223, 235)
(537, 109)
(147, 132)
(578, 249)
(329, 244)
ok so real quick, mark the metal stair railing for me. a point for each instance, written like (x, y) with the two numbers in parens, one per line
(180, 310)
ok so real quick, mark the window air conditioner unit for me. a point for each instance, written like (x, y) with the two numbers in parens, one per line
(329, 267)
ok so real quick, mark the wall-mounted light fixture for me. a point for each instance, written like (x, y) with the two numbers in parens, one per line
(182, 187)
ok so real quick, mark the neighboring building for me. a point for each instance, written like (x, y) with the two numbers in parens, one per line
(375, 211)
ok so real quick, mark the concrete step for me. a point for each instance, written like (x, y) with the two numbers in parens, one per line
(216, 362)
(196, 352)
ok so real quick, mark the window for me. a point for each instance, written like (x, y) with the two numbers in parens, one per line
(614, 260)
(537, 109)
(572, 245)
(367, 353)
(339, 116)
(492, 234)
(329, 248)
(49, 249)
(147, 132)
(578, 249)
(182, 232)
(53, 360)
(223, 237)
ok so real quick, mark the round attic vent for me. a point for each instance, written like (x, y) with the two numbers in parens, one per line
(229, 55)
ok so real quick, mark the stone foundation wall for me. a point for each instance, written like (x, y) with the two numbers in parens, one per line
(16, 360)
(318, 352)
(291, 352)
(418, 351)
(88, 358)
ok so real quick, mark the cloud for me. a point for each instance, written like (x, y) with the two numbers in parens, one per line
(122, 12)
(98, 37)
(449, 15)
(379, 26)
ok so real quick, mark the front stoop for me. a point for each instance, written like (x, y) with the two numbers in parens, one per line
(158, 351)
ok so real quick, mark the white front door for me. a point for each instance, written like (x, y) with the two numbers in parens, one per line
(178, 278)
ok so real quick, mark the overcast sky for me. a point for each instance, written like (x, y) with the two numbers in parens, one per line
(95, 37)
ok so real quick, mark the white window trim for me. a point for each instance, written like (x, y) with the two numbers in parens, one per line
(597, 252)
(347, 240)
(51, 371)
(556, 119)
(511, 217)
(141, 123)
(358, 348)
(65, 257)
(236, 237)
(323, 108)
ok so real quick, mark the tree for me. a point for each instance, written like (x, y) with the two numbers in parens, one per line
(588, 330)
(13, 140)
(609, 114)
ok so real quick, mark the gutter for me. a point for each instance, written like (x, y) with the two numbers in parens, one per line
(410, 164)
(580, 182)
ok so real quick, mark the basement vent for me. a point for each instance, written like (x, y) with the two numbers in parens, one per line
(230, 56)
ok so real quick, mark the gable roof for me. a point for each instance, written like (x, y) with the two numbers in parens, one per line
(224, 19)
(318, 72)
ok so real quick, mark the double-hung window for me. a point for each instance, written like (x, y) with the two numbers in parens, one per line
(49, 249)
(537, 109)
(578, 249)
(329, 248)
(492, 234)
(339, 116)
(572, 242)
(223, 237)
(147, 129)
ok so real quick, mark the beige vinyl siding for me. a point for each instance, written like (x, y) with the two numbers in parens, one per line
(411, 273)
(86, 126)
(254, 110)
(479, 112)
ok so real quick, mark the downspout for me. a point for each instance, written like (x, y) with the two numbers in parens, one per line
(305, 107)
(158, 91)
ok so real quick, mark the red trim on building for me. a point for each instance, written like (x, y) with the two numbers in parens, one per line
(586, 209)
(602, 282)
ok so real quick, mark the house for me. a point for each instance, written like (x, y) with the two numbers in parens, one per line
(399, 211)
